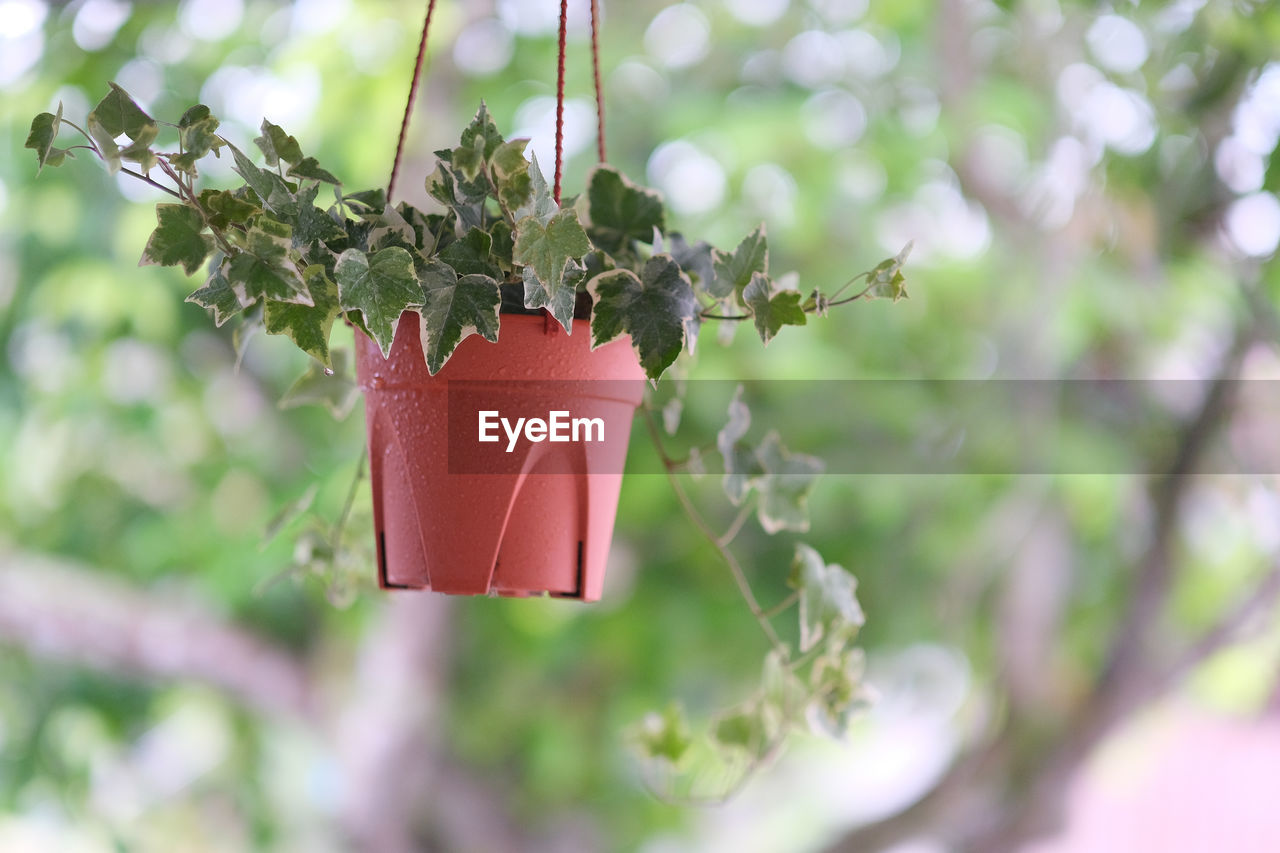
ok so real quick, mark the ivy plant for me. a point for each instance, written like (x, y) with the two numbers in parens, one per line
(498, 243)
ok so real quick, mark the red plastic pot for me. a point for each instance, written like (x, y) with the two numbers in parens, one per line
(454, 515)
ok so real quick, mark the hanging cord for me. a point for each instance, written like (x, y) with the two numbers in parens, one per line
(595, 73)
(564, 25)
(413, 96)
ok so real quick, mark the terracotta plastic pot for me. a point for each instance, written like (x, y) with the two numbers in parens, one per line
(457, 515)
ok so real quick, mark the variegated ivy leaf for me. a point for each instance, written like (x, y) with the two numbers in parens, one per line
(741, 464)
(565, 297)
(664, 736)
(197, 135)
(217, 295)
(224, 208)
(276, 145)
(455, 308)
(470, 254)
(313, 225)
(334, 388)
(381, 286)
(308, 325)
(838, 690)
(886, 280)
(770, 309)
(541, 205)
(742, 728)
(262, 268)
(388, 227)
(480, 140)
(828, 599)
(652, 307)
(619, 212)
(733, 270)
(511, 174)
(548, 249)
(309, 168)
(44, 130)
(179, 239)
(695, 259)
(784, 485)
(451, 188)
(117, 115)
(274, 193)
(782, 695)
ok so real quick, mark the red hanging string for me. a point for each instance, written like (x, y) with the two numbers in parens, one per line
(413, 96)
(564, 24)
(595, 73)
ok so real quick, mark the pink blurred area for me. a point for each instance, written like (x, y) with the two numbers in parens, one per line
(1178, 780)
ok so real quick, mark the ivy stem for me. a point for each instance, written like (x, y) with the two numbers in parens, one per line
(782, 605)
(147, 180)
(341, 524)
(729, 534)
(735, 568)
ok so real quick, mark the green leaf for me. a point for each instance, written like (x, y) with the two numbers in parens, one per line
(179, 239)
(733, 271)
(314, 225)
(548, 249)
(465, 199)
(222, 203)
(470, 255)
(107, 148)
(502, 244)
(771, 311)
(511, 174)
(619, 211)
(308, 325)
(565, 297)
(741, 465)
(783, 695)
(117, 114)
(217, 295)
(654, 308)
(742, 728)
(665, 736)
(139, 151)
(310, 168)
(258, 180)
(482, 134)
(695, 259)
(263, 269)
(44, 130)
(886, 280)
(197, 136)
(334, 389)
(276, 145)
(455, 308)
(839, 694)
(784, 486)
(381, 286)
(375, 200)
(828, 599)
(541, 206)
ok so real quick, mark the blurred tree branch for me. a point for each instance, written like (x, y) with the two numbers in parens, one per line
(56, 611)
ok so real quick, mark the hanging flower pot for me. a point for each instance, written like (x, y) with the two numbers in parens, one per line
(476, 311)
(462, 512)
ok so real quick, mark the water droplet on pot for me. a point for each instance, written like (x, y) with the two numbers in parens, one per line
(377, 381)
